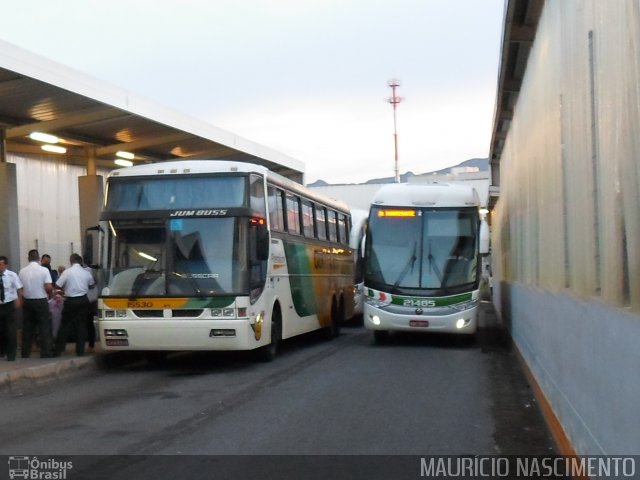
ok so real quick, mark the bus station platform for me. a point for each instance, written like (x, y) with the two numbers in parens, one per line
(32, 371)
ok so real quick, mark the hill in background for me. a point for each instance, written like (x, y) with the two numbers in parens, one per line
(479, 163)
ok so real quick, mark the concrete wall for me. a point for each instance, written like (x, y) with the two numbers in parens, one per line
(566, 229)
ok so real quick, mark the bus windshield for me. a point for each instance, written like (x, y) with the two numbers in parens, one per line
(136, 194)
(424, 249)
(185, 257)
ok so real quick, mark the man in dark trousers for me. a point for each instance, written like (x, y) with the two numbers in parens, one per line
(10, 298)
(36, 282)
(76, 283)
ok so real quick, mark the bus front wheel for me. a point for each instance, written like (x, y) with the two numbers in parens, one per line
(269, 352)
(380, 336)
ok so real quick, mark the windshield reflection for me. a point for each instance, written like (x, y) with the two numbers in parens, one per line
(436, 249)
(184, 257)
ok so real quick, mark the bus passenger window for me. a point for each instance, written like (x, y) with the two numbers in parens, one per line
(307, 218)
(256, 193)
(321, 224)
(342, 229)
(276, 211)
(293, 214)
(332, 223)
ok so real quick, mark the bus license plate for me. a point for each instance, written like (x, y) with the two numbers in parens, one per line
(418, 323)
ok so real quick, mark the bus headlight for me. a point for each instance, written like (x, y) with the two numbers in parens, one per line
(465, 305)
(375, 303)
(375, 319)
(460, 323)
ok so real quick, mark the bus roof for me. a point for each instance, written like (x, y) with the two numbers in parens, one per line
(181, 167)
(187, 167)
(426, 195)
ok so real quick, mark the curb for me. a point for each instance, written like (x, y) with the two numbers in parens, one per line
(46, 372)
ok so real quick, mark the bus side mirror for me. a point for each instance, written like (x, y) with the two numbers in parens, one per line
(91, 240)
(484, 238)
(262, 243)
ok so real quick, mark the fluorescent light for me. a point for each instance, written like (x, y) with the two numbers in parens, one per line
(123, 163)
(43, 137)
(127, 155)
(54, 148)
(147, 256)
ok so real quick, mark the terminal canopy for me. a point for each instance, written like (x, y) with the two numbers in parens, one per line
(94, 121)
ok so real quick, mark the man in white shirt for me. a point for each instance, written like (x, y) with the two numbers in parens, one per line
(36, 282)
(76, 283)
(10, 298)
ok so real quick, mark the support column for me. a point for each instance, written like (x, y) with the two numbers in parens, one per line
(91, 195)
(10, 231)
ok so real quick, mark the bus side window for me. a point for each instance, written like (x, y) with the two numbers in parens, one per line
(256, 193)
(307, 218)
(332, 222)
(276, 210)
(343, 236)
(321, 223)
(293, 214)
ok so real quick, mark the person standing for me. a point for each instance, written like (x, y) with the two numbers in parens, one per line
(45, 261)
(10, 298)
(37, 287)
(76, 283)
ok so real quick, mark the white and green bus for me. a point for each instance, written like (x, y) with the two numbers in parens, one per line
(422, 259)
(218, 255)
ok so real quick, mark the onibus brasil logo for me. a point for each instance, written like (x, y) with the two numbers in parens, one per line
(38, 469)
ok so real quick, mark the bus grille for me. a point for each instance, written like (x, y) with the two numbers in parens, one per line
(148, 313)
(187, 313)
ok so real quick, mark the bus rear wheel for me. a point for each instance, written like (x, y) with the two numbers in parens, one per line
(337, 319)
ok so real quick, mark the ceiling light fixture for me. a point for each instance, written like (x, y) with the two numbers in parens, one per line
(123, 163)
(43, 137)
(127, 155)
(54, 148)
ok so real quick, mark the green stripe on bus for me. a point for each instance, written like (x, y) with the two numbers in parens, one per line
(426, 301)
(300, 280)
(439, 301)
(211, 302)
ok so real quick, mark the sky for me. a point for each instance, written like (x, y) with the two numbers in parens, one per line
(307, 78)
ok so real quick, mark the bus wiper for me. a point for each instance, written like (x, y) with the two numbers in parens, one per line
(409, 266)
(432, 264)
(141, 280)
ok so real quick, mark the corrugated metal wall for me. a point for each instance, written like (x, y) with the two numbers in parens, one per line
(48, 208)
(566, 229)
(568, 212)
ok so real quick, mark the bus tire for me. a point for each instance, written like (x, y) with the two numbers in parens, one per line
(380, 336)
(269, 352)
(156, 358)
(337, 317)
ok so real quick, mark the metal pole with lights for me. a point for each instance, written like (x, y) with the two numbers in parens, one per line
(395, 100)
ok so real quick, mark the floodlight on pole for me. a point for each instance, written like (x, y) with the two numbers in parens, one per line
(394, 100)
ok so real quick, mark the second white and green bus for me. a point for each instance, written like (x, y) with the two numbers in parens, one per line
(219, 255)
(422, 259)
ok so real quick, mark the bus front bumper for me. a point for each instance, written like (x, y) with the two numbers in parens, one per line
(462, 322)
(183, 335)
